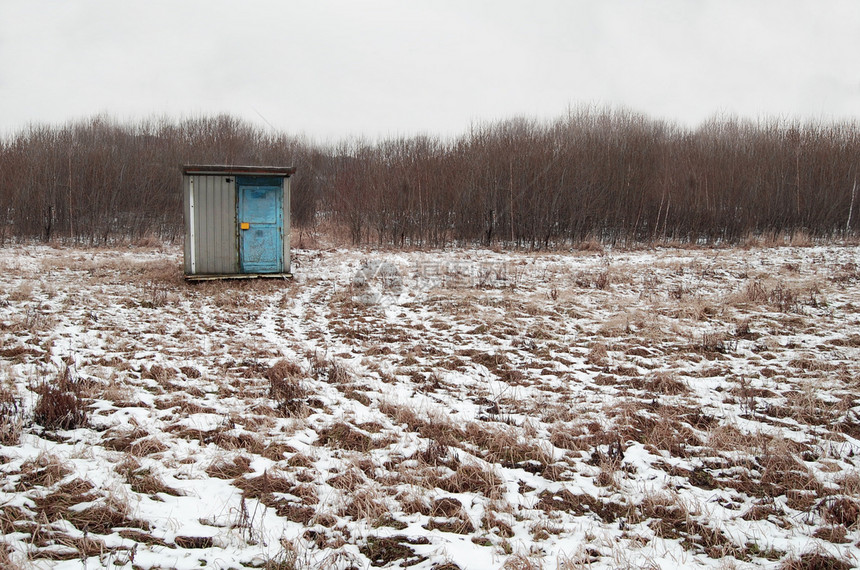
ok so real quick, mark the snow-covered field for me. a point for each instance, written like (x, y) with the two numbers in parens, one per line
(668, 408)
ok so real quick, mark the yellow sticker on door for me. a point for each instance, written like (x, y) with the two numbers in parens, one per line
(245, 226)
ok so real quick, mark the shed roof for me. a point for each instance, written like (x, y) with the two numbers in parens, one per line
(238, 170)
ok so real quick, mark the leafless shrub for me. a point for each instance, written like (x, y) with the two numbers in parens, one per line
(376, 192)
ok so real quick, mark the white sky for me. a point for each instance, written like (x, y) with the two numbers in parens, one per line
(336, 68)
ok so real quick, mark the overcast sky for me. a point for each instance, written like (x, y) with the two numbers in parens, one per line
(331, 69)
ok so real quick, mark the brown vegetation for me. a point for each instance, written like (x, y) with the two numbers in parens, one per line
(588, 178)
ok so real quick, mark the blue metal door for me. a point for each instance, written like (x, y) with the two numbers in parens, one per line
(260, 224)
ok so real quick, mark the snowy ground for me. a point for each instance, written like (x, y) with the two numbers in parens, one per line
(669, 408)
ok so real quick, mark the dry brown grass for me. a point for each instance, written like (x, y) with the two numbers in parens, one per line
(11, 416)
(666, 383)
(383, 551)
(345, 436)
(431, 424)
(121, 439)
(573, 437)
(6, 558)
(843, 511)
(366, 504)
(224, 468)
(728, 437)
(597, 354)
(496, 525)
(459, 524)
(817, 560)
(504, 447)
(102, 513)
(775, 294)
(285, 387)
(44, 471)
(523, 561)
(349, 480)
(472, 478)
(104, 517)
(264, 486)
(60, 404)
(597, 372)
(143, 479)
(671, 518)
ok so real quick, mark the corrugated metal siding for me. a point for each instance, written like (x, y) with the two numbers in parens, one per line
(215, 239)
(186, 212)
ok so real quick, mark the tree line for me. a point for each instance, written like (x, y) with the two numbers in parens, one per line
(607, 175)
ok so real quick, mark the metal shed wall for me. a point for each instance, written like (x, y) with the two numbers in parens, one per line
(287, 227)
(211, 239)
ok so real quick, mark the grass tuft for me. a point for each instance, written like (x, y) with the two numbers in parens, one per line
(60, 404)
(285, 387)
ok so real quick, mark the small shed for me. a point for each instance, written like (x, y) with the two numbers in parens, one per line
(237, 221)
